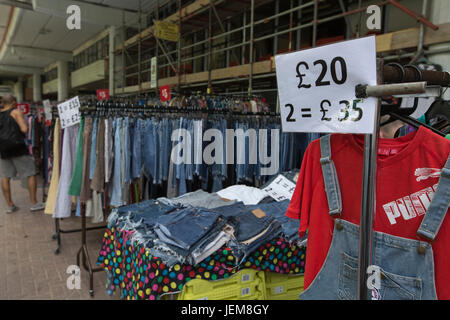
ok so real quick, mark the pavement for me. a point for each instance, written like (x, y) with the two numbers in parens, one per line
(29, 267)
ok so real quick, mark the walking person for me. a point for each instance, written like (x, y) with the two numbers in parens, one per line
(14, 156)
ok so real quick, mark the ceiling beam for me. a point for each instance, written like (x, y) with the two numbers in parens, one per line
(17, 4)
(40, 52)
(90, 13)
(20, 69)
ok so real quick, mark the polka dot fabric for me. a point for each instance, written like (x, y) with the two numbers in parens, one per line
(141, 276)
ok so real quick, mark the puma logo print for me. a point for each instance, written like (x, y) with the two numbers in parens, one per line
(425, 173)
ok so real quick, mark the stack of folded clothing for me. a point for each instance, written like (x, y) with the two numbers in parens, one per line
(186, 234)
(199, 198)
(190, 228)
(140, 219)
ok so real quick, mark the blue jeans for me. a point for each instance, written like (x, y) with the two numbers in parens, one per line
(186, 227)
(247, 224)
(277, 210)
(116, 196)
(137, 147)
(149, 149)
(129, 128)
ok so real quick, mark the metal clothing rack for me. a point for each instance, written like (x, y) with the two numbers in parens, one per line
(385, 74)
(83, 251)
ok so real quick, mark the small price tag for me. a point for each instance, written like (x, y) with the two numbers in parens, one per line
(164, 93)
(280, 189)
(69, 112)
(317, 87)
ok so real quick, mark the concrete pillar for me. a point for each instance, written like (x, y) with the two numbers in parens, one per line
(438, 15)
(37, 87)
(112, 60)
(18, 90)
(63, 80)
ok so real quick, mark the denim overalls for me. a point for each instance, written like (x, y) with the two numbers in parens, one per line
(406, 266)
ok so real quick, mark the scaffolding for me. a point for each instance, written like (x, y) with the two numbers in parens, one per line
(233, 42)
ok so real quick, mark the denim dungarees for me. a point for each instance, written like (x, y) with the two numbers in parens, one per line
(406, 266)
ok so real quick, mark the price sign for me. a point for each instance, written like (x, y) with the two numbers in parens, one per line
(24, 107)
(317, 88)
(280, 189)
(103, 94)
(164, 93)
(69, 112)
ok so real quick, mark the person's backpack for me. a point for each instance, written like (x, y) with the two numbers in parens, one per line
(11, 137)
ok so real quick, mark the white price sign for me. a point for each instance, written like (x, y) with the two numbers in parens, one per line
(280, 189)
(317, 88)
(69, 112)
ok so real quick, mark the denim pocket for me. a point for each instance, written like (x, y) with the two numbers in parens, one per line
(397, 287)
(393, 286)
(348, 277)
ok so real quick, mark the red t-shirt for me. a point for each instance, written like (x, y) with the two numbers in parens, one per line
(407, 168)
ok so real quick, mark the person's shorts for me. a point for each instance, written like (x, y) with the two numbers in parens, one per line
(22, 166)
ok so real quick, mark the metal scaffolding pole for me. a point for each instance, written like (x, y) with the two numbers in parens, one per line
(252, 18)
(299, 32)
(139, 46)
(157, 49)
(276, 22)
(291, 22)
(315, 22)
(244, 38)
(124, 79)
(179, 47)
(209, 49)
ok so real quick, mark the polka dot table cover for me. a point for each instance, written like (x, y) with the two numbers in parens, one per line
(141, 276)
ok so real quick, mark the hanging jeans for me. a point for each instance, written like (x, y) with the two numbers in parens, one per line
(116, 197)
(406, 266)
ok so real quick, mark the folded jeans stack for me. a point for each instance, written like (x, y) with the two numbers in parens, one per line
(253, 228)
(186, 231)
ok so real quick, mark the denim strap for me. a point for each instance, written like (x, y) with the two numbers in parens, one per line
(439, 205)
(330, 177)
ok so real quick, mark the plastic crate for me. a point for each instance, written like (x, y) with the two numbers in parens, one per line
(283, 286)
(247, 284)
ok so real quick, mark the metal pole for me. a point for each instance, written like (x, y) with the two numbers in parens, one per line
(276, 22)
(291, 17)
(368, 197)
(299, 32)
(421, 31)
(244, 37)
(179, 47)
(209, 48)
(139, 47)
(358, 33)
(252, 16)
(348, 22)
(194, 62)
(316, 9)
(227, 58)
(157, 49)
(124, 81)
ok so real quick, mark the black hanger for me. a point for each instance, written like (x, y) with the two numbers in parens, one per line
(439, 109)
